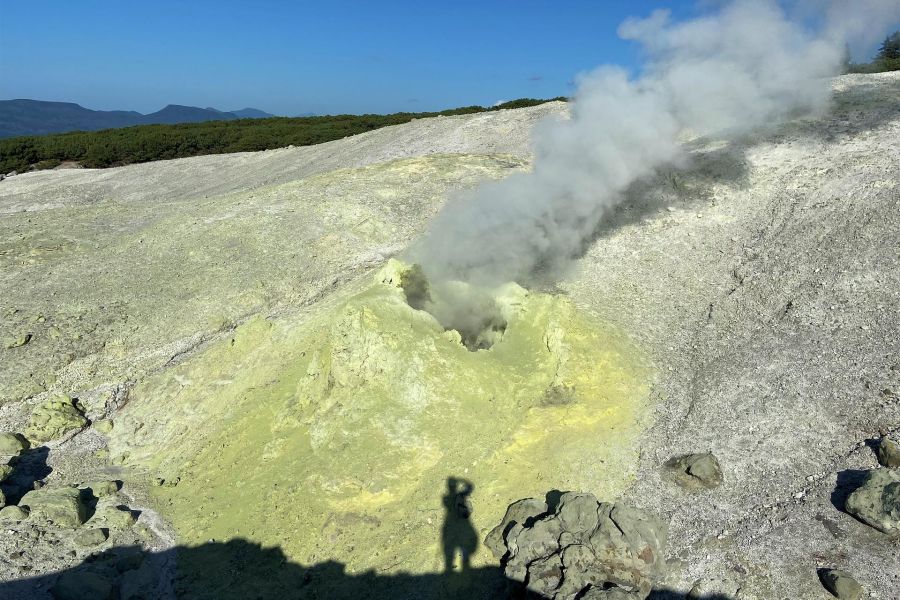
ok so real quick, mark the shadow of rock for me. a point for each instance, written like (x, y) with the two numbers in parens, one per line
(664, 594)
(29, 467)
(847, 482)
(240, 569)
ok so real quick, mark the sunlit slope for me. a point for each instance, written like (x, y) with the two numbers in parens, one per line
(334, 438)
(113, 288)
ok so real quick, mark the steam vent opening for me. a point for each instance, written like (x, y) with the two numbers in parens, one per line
(471, 312)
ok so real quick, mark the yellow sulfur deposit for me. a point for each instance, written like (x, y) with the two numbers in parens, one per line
(334, 437)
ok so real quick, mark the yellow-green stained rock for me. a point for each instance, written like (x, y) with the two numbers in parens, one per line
(53, 419)
(101, 488)
(335, 435)
(104, 425)
(5, 471)
(61, 506)
(888, 452)
(109, 513)
(18, 341)
(12, 444)
(90, 536)
(877, 501)
(13, 513)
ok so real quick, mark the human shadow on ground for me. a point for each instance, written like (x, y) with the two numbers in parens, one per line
(29, 467)
(458, 535)
(242, 569)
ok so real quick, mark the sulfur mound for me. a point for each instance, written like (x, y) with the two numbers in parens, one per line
(345, 425)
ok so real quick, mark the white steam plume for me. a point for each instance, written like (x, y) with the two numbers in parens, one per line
(741, 68)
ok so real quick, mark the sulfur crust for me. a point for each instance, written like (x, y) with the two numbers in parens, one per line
(333, 438)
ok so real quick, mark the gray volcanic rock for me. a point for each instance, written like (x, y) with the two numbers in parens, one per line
(841, 584)
(888, 453)
(877, 501)
(517, 513)
(584, 549)
(695, 471)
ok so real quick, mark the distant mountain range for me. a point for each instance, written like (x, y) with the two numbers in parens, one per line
(37, 117)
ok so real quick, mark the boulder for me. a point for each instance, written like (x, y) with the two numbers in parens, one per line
(112, 515)
(101, 488)
(583, 549)
(63, 506)
(12, 444)
(877, 501)
(90, 536)
(888, 452)
(518, 512)
(841, 584)
(5, 471)
(695, 471)
(13, 514)
(54, 418)
(82, 585)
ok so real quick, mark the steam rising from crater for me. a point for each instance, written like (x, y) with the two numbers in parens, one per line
(720, 75)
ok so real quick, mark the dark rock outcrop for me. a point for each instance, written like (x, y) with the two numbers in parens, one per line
(581, 548)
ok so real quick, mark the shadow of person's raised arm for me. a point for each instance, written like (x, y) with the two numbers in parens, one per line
(457, 534)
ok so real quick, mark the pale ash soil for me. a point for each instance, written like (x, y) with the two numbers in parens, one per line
(763, 283)
(769, 292)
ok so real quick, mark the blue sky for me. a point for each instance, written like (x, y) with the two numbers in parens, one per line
(295, 57)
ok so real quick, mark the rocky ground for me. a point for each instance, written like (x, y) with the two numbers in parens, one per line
(215, 352)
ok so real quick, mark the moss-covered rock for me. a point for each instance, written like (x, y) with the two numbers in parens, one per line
(63, 506)
(54, 418)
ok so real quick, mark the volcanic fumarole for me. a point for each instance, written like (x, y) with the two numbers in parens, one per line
(343, 426)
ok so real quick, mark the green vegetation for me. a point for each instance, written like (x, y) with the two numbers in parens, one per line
(143, 143)
(887, 59)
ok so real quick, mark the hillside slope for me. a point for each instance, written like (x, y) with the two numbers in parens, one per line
(38, 117)
(238, 319)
